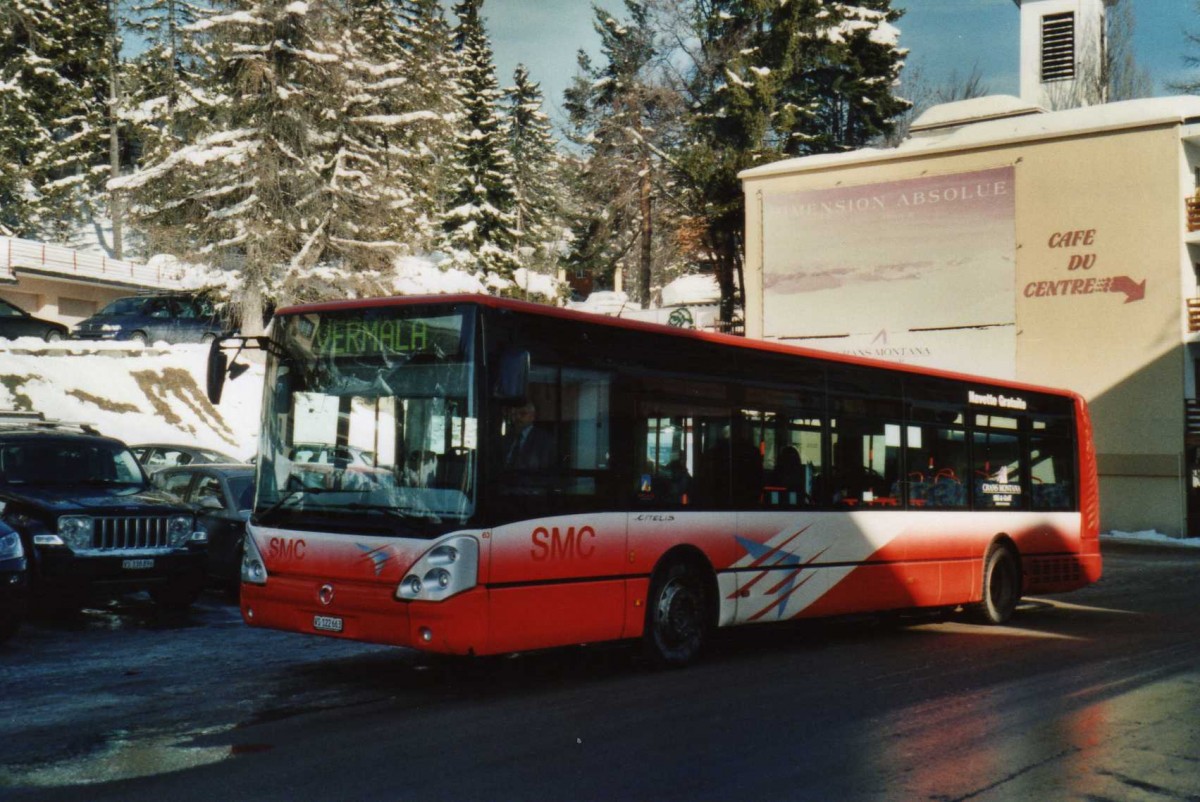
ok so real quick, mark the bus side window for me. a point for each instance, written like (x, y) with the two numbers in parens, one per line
(866, 463)
(998, 465)
(681, 462)
(1050, 464)
(936, 465)
(790, 444)
(731, 466)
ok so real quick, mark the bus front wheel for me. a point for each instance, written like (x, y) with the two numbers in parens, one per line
(677, 619)
(1001, 585)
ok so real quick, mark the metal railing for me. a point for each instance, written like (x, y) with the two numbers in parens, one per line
(1193, 212)
(1191, 418)
(55, 260)
(1193, 315)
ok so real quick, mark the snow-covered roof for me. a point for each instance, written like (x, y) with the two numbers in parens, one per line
(972, 110)
(1129, 114)
(700, 288)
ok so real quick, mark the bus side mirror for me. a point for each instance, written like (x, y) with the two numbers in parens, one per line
(512, 377)
(218, 363)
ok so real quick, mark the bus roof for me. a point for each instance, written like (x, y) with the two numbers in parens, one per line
(768, 346)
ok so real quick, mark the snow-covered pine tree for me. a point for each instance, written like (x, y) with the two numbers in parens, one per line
(250, 194)
(618, 111)
(22, 37)
(850, 83)
(537, 192)
(164, 76)
(776, 79)
(426, 145)
(478, 225)
(54, 66)
(364, 182)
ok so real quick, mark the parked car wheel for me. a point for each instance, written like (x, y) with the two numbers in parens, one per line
(138, 337)
(53, 336)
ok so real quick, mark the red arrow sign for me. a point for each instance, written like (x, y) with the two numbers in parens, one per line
(1133, 290)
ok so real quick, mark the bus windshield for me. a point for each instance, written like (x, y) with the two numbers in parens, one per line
(369, 422)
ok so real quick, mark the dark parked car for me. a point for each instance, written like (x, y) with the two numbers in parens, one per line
(150, 318)
(156, 456)
(16, 322)
(89, 521)
(221, 496)
(14, 582)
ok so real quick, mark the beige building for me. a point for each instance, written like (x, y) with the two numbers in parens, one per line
(1054, 248)
(65, 285)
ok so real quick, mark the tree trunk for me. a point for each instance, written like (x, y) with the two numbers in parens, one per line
(646, 258)
(115, 211)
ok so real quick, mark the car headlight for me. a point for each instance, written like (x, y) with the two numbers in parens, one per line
(76, 531)
(179, 529)
(10, 547)
(448, 568)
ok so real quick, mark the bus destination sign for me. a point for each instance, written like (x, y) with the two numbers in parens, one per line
(381, 337)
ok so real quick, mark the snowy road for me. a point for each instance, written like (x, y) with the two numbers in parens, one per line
(1089, 696)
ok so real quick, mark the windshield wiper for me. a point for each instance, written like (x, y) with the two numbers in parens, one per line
(287, 496)
(404, 513)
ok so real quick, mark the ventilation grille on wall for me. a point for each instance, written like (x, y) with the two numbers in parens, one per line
(1058, 47)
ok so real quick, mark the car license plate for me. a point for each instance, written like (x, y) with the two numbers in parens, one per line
(327, 623)
(137, 565)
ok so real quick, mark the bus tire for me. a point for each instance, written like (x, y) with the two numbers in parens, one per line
(1001, 585)
(677, 615)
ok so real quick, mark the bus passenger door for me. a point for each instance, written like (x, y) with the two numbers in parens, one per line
(555, 581)
(559, 559)
(684, 496)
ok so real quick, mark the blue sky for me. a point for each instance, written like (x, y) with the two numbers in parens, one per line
(943, 37)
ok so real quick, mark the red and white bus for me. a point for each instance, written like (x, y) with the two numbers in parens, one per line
(529, 477)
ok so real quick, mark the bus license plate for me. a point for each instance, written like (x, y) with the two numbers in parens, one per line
(327, 623)
(137, 565)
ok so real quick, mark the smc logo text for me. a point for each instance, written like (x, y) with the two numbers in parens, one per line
(554, 544)
(284, 549)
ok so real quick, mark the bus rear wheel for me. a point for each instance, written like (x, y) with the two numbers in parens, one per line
(1001, 586)
(677, 617)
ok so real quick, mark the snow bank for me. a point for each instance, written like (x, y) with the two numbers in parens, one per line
(137, 394)
(1151, 537)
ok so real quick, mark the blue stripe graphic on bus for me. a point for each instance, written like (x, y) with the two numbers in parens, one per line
(761, 554)
(379, 556)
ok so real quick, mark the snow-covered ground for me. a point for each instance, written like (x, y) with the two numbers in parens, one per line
(1155, 538)
(138, 394)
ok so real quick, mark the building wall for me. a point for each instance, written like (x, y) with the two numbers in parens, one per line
(62, 301)
(1083, 318)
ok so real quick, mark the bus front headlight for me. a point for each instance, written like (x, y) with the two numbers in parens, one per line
(448, 568)
(254, 570)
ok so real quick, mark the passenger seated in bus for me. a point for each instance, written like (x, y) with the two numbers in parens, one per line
(731, 472)
(665, 486)
(789, 469)
(679, 481)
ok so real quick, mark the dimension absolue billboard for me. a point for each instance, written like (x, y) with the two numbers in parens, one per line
(920, 270)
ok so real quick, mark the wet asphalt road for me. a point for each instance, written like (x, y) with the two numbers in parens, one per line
(1092, 695)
